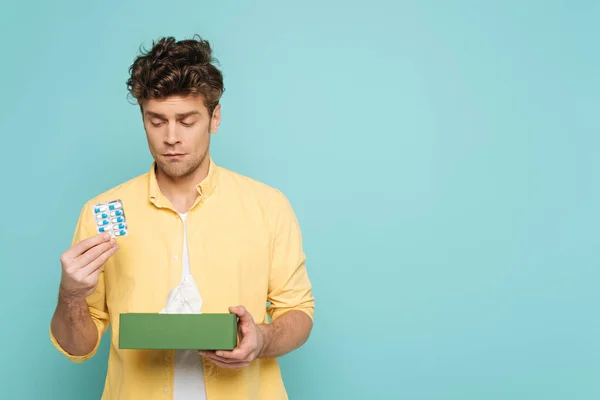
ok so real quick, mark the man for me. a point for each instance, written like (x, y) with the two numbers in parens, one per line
(236, 239)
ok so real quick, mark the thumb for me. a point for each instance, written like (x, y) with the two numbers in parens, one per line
(241, 312)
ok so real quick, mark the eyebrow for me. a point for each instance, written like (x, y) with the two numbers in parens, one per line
(179, 116)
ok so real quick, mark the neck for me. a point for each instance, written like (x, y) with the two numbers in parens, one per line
(182, 192)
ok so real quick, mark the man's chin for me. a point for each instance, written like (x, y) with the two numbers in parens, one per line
(175, 170)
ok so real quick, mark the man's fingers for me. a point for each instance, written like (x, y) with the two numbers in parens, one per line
(94, 275)
(211, 355)
(241, 313)
(99, 261)
(234, 355)
(94, 253)
(241, 352)
(84, 245)
(241, 356)
(235, 365)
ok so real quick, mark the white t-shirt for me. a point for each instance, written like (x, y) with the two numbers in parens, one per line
(189, 375)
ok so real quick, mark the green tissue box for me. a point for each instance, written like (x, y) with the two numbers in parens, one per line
(149, 331)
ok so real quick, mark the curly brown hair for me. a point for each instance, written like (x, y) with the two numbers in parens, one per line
(171, 67)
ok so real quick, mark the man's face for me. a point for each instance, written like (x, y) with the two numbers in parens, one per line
(178, 130)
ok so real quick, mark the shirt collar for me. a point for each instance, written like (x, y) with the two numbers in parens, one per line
(205, 188)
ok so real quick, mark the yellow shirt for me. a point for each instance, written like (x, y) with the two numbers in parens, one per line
(245, 247)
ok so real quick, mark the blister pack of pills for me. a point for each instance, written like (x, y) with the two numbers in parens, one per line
(110, 217)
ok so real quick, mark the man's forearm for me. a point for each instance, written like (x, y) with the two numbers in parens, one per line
(285, 334)
(73, 327)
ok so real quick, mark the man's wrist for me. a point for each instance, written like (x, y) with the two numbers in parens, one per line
(264, 333)
(69, 297)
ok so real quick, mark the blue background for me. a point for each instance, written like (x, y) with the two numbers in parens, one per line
(441, 158)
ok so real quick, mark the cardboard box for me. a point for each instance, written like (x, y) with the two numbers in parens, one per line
(177, 331)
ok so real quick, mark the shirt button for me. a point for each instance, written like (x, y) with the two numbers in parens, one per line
(175, 257)
(166, 390)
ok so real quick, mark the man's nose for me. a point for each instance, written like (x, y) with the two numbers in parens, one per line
(172, 134)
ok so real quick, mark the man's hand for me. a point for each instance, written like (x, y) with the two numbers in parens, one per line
(72, 324)
(83, 263)
(250, 345)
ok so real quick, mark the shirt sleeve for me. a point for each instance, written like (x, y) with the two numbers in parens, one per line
(86, 228)
(289, 284)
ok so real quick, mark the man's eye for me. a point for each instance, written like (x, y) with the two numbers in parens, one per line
(187, 123)
(156, 123)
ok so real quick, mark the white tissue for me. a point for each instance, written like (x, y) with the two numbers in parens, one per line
(189, 375)
(184, 298)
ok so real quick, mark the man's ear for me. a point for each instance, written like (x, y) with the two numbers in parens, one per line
(215, 120)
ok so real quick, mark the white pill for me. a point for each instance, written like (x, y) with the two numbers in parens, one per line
(114, 206)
